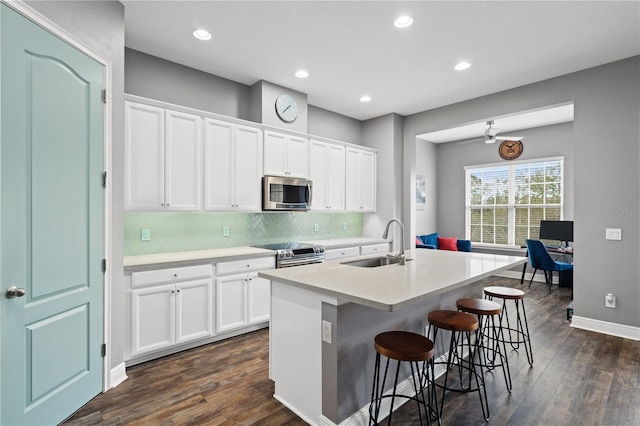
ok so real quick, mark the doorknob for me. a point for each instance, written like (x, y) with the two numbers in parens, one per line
(15, 292)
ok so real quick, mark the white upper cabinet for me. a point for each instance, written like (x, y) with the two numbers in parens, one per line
(360, 180)
(162, 159)
(327, 173)
(233, 166)
(285, 155)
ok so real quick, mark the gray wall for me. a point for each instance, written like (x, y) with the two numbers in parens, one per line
(385, 134)
(541, 142)
(426, 161)
(155, 78)
(100, 26)
(263, 101)
(606, 132)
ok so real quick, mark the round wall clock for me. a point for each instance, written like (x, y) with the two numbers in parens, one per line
(286, 108)
(510, 150)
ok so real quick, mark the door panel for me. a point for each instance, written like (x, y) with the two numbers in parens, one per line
(51, 224)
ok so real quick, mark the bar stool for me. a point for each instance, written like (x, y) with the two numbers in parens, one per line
(413, 348)
(486, 311)
(461, 325)
(519, 334)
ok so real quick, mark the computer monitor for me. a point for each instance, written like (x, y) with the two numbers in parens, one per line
(559, 230)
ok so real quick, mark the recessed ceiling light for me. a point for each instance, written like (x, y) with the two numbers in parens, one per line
(462, 66)
(403, 21)
(302, 74)
(365, 98)
(202, 34)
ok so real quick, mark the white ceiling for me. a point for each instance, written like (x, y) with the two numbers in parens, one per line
(351, 48)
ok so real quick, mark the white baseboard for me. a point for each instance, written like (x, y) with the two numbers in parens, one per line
(604, 327)
(118, 375)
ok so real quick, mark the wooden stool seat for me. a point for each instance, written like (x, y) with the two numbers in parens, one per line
(453, 320)
(504, 292)
(464, 348)
(479, 306)
(418, 351)
(519, 334)
(404, 346)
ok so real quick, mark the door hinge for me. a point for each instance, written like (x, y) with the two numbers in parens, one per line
(104, 179)
(104, 265)
(103, 350)
(104, 96)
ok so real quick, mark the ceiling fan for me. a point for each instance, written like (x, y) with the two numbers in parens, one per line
(491, 134)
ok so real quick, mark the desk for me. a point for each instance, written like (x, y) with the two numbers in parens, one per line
(565, 279)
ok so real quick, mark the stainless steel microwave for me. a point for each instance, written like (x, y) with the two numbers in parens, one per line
(283, 193)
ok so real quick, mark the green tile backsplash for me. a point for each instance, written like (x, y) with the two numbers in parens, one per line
(175, 232)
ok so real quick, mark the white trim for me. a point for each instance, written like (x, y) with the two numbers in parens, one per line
(512, 162)
(44, 22)
(118, 374)
(605, 327)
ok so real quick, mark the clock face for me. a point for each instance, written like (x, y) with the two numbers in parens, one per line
(510, 150)
(286, 108)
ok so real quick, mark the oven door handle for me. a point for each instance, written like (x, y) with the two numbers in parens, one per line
(298, 262)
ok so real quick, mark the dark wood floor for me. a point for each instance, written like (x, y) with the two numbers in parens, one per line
(578, 378)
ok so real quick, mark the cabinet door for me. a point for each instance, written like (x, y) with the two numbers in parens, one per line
(335, 177)
(353, 195)
(318, 174)
(342, 253)
(144, 157)
(231, 302)
(275, 154)
(259, 299)
(297, 157)
(183, 158)
(368, 182)
(218, 165)
(194, 310)
(152, 319)
(248, 169)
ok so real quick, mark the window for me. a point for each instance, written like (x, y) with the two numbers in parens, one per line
(505, 203)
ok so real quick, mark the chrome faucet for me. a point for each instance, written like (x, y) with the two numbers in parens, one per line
(400, 256)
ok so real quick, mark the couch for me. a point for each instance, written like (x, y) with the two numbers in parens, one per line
(434, 241)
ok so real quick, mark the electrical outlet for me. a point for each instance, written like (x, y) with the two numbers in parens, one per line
(613, 234)
(344, 226)
(315, 227)
(610, 301)
(145, 234)
(326, 331)
(225, 231)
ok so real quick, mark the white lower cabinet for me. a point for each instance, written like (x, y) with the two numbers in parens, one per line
(242, 298)
(342, 253)
(166, 315)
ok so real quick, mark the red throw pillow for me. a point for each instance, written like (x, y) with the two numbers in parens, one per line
(418, 242)
(448, 243)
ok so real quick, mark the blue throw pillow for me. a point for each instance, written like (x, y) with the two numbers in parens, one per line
(464, 245)
(431, 239)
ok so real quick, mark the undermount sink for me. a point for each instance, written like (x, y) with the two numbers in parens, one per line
(374, 262)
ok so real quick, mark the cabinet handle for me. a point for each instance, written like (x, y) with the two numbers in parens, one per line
(178, 290)
(175, 275)
(172, 291)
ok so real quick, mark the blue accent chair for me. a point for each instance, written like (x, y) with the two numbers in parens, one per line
(539, 258)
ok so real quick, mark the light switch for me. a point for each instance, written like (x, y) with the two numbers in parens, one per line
(315, 227)
(145, 234)
(613, 234)
(225, 231)
(344, 226)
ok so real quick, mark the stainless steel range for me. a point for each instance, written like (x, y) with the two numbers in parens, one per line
(295, 254)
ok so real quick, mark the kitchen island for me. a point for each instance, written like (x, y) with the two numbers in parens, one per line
(324, 318)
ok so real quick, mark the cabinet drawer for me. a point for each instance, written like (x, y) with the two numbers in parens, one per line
(342, 253)
(246, 265)
(170, 275)
(375, 248)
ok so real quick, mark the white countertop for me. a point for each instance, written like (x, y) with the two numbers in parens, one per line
(389, 288)
(223, 254)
